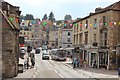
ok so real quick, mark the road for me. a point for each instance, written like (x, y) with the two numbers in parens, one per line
(54, 69)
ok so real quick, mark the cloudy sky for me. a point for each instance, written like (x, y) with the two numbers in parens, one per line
(76, 8)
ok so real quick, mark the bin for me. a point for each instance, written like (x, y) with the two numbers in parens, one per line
(119, 71)
(20, 68)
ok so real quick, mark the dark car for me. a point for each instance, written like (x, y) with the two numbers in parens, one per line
(37, 51)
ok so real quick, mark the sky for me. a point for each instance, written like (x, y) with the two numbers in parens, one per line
(75, 8)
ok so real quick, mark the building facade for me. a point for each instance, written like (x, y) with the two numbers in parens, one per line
(10, 39)
(53, 38)
(31, 31)
(97, 35)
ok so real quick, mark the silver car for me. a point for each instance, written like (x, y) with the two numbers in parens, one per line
(45, 55)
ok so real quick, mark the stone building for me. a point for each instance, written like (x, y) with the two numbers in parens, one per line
(65, 36)
(53, 37)
(96, 37)
(10, 45)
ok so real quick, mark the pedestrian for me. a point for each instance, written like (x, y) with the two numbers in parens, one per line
(94, 63)
(74, 63)
(26, 60)
(85, 64)
(32, 58)
(119, 73)
(78, 63)
(81, 62)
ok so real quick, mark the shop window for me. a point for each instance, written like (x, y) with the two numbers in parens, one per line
(68, 33)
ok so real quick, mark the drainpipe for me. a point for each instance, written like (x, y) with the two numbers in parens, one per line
(108, 61)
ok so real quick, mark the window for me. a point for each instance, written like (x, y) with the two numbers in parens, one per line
(105, 35)
(81, 26)
(105, 42)
(68, 33)
(94, 37)
(24, 33)
(95, 23)
(68, 45)
(86, 24)
(68, 39)
(104, 20)
(86, 37)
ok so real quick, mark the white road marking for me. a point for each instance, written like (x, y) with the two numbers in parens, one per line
(33, 76)
(55, 71)
(60, 75)
(49, 63)
(38, 71)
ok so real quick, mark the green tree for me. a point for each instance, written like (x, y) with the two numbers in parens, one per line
(45, 17)
(68, 17)
(29, 17)
(51, 17)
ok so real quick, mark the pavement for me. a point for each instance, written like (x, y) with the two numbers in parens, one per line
(27, 73)
(97, 73)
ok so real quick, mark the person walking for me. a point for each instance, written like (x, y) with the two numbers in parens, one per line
(81, 62)
(32, 58)
(94, 63)
(78, 63)
(85, 64)
(74, 63)
(26, 60)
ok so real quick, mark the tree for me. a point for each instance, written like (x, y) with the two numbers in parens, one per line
(67, 17)
(45, 17)
(51, 17)
(29, 17)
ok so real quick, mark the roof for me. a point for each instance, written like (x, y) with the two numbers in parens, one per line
(11, 25)
(110, 7)
(53, 28)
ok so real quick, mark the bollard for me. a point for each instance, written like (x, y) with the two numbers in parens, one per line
(119, 73)
(20, 68)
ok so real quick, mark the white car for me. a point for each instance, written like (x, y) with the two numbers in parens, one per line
(45, 55)
(22, 51)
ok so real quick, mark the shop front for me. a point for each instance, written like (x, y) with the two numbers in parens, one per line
(103, 59)
(93, 59)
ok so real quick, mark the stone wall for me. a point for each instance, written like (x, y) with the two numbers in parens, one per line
(9, 51)
(0, 44)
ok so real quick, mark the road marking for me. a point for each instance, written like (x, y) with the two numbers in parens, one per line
(60, 75)
(38, 71)
(50, 64)
(55, 71)
(33, 76)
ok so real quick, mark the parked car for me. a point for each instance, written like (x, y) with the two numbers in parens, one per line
(45, 55)
(22, 52)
